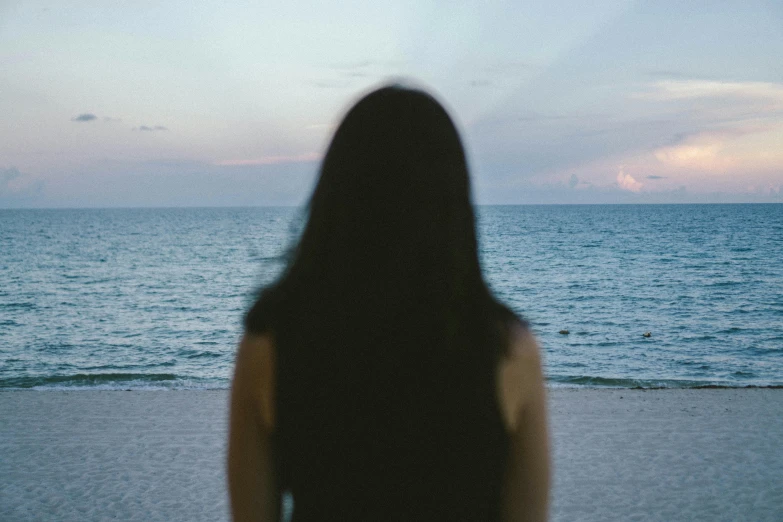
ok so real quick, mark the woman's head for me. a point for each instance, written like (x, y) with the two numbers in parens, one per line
(392, 204)
(395, 171)
(390, 234)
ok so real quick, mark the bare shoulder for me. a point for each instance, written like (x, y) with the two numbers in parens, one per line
(519, 373)
(523, 345)
(254, 374)
(255, 350)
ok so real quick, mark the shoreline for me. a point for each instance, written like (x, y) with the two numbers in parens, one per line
(551, 384)
(552, 388)
(618, 454)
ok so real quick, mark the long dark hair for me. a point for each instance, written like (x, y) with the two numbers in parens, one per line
(387, 334)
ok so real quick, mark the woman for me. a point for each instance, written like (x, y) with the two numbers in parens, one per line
(378, 378)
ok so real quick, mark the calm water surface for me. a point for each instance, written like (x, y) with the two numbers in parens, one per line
(140, 298)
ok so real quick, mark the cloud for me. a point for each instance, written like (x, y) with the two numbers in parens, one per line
(6, 177)
(330, 84)
(668, 90)
(16, 187)
(480, 83)
(656, 177)
(696, 155)
(321, 126)
(87, 116)
(342, 75)
(527, 192)
(667, 73)
(626, 182)
(718, 151)
(150, 129)
(361, 64)
(272, 160)
(84, 117)
(674, 127)
(573, 181)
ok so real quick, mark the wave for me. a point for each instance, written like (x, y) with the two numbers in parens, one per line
(196, 354)
(167, 381)
(17, 306)
(725, 283)
(87, 380)
(733, 329)
(587, 381)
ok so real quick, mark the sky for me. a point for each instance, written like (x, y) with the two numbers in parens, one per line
(182, 103)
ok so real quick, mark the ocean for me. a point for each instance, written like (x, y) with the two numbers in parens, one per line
(153, 298)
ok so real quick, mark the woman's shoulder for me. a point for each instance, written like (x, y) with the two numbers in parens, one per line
(255, 365)
(519, 372)
(255, 349)
(522, 344)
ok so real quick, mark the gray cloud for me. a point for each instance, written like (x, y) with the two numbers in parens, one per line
(363, 64)
(656, 177)
(84, 117)
(15, 190)
(148, 128)
(480, 83)
(330, 84)
(574, 181)
(351, 71)
(6, 176)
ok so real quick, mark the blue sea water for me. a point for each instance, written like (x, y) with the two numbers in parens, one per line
(153, 298)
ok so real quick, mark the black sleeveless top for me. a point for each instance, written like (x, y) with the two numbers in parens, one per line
(385, 446)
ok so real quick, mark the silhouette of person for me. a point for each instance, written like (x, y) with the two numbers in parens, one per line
(378, 378)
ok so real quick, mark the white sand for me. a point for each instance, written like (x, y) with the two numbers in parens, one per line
(619, 455)
(668, 455)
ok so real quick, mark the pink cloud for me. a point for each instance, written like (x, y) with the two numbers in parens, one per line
(627, 182)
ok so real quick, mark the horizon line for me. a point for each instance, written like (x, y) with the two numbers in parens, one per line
(157, 207)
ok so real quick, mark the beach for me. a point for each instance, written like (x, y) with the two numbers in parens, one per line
(618, 454)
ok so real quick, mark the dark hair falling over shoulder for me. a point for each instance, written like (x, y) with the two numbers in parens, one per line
(386, 332)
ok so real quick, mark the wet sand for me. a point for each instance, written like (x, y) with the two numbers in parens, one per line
(619, 455)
